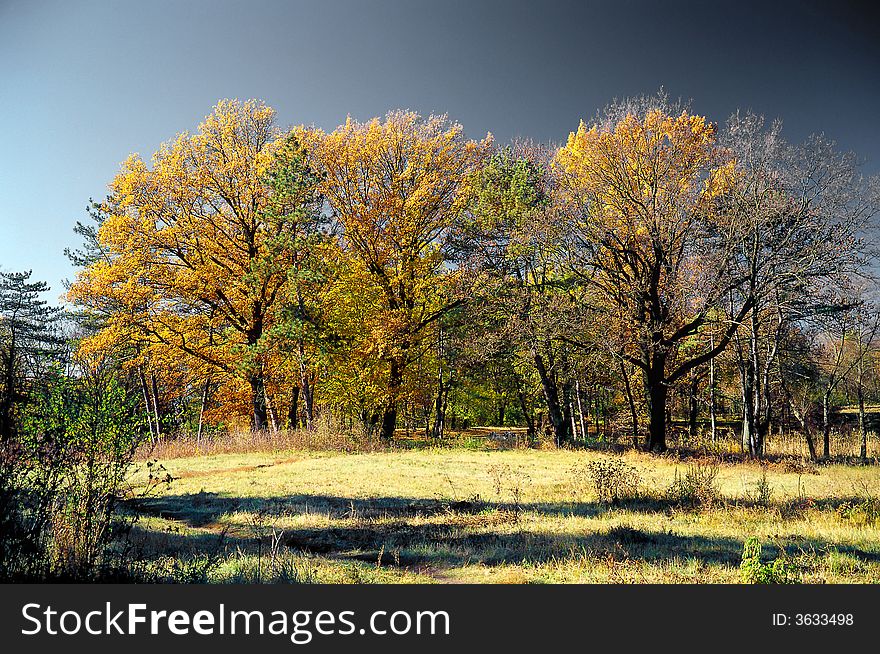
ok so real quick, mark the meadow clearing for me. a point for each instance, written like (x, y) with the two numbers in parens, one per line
(477, 513)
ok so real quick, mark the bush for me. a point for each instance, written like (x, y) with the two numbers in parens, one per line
(506, 479)
(762, 493)
(63, 475)
(27, 494)
(698, 486)
(613, 480)
(863, 509)
(753, 571)
(286, 568)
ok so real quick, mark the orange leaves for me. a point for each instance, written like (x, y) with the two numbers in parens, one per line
(212, 250)
(642, 183)
(643, 191)
(394, 187)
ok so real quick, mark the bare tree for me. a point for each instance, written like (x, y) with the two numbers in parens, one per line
(801, 210)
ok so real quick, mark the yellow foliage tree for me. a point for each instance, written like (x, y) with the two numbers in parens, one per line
(647, 235)
(394, 186)
(199, 246)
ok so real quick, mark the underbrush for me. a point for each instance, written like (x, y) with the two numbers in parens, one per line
(754, 570)
(611, 479)
(185, 445)
(863, 509)
(325, 437)
(697, 487)
(63, 473)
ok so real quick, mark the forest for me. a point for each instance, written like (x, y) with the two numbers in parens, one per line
(659, 283)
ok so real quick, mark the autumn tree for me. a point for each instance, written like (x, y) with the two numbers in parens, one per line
(199, 246)
(643, 182)
(393, 187)
(844, 339)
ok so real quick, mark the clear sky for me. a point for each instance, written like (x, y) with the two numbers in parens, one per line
(82, 84)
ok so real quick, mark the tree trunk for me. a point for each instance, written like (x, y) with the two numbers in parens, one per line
(657, 392)
(146, 394)
(389, 415)
(748, 417)
(202, 410)
(293, 410)
(811, 446)
(801, 417)
(271, 412)
(826, 426)
(389, 423)
(694, 407)
(529, 418)
(440, 404)
(156, 405)
(551, 396)
(577, 390)
(712, 407)
(308, 395)
(308, 391)
(568, 410)
(258, 401)
(439, 408)
(632, 404)
(863, 428)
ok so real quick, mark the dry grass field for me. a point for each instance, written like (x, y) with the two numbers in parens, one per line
(486, 515)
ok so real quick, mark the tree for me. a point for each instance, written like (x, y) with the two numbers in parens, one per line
(199, 247)
(393, 188)
(800, 211)
(799, 378)
(28, 338)
(845, 339)
(509, 239)
(645, 236)
(865, 333)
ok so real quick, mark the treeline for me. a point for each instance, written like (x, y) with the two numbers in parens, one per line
(655, 269)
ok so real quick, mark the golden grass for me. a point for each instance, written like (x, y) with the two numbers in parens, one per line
(454, 515)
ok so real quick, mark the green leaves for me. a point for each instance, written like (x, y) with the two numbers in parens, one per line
(754, 571)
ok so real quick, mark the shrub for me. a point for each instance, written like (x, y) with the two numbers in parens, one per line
(697, 487)
(842, 563)
(63, 475)
(753, 571)
(325, 435)
(27, 493)
(510, 481)
(762, 493)
(613, 480)
(863, 509)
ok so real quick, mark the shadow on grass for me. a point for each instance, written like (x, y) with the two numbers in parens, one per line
(449, 533)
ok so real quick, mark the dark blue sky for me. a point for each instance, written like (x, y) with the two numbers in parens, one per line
(82, 84)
